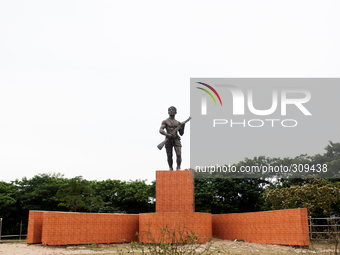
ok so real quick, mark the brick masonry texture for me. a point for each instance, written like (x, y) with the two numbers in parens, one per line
(62, 228)
(35, 221)
(285, 227)
(174, 227)
(175, 191)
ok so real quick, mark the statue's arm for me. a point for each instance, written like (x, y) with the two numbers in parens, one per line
(163, 126)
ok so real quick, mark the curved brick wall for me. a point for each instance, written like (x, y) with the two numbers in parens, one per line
(173, 227)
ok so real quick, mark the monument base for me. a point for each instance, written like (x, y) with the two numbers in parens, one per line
(175, 191)
(174, 222)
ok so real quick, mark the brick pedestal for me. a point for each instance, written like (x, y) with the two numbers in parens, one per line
(175, 191)
(175, 220)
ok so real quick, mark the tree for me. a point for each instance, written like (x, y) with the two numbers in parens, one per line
(110, 192)
(94, 203)
(7, 196)
(319, 196)
(8, 200)
(225, 195)
(137, 197)
(40, 192)
(75, 193)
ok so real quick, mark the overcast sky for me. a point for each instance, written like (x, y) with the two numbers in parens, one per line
(85, 85)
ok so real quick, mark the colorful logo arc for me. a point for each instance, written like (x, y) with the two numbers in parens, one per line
(209, 92)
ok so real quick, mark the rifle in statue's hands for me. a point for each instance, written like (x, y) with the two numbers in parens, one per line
(161, 145)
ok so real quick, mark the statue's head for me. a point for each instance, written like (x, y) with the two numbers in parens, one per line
(172, 111)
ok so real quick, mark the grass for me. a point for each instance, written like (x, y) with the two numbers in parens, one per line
(11, 240)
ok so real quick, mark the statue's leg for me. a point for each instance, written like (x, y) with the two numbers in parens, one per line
(169, 155)
(178, 151)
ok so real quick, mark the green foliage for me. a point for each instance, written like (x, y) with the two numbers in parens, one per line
(37, 193)
(137, 197)
(40, 192)
(126, 197)
(319, 196)
(224, 195)
(8, 194)
(94, 203)
(77, 194)
(109, 190)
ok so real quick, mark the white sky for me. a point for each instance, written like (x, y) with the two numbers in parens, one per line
(84, 85)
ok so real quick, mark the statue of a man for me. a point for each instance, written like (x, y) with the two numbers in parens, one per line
(174, 140)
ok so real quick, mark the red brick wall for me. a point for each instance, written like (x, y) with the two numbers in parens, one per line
(175, 191)
(286, 227)
(174, 213)
(174, 227)
(62, 228)
(35, 221)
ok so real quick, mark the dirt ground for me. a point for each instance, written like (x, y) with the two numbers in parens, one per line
(217, 247)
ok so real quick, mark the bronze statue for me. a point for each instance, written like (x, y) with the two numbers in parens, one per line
(172, 138)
